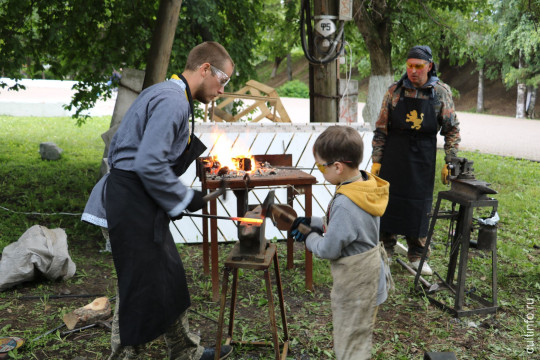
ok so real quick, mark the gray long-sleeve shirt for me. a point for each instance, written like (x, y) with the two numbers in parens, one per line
(153, 134)
(350, 231)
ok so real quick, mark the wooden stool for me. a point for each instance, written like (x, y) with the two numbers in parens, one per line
(270, 254)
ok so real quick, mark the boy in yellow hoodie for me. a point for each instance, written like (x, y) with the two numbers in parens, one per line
(349, 238)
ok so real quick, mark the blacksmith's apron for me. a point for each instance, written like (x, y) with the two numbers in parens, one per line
(151, 279)
(354, 297)
(408, 164)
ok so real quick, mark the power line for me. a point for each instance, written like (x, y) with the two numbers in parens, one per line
(37, 213)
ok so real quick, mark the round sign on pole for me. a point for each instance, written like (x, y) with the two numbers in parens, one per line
(325, 27)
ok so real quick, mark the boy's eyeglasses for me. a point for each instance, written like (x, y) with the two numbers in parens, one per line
(322, 167)
(223, 78)
(416, 66)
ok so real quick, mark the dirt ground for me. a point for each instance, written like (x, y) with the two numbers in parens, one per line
(308, 314)
(27, 308)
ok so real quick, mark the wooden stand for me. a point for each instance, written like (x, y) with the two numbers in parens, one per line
(270, 255)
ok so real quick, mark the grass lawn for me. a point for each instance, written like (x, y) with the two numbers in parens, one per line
(53, 194)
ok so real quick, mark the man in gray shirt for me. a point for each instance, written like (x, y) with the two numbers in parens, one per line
(135, 201)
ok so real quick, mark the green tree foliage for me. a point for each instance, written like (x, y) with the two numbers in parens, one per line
(445, 26)
(295, 88)
(85, 41)
(390, 27)
(517, 41)
(279, 31)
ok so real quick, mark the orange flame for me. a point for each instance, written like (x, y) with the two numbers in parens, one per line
(227, 156)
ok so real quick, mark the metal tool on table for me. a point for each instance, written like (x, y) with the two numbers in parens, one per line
(215, 194)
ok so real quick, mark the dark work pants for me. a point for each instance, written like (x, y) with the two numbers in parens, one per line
(415, 245)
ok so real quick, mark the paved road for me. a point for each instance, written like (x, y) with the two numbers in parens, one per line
(488, 134)
(484, 133)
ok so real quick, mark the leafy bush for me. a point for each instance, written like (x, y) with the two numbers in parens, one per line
(295, 88)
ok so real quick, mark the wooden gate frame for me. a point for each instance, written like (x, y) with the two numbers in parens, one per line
(253, 90)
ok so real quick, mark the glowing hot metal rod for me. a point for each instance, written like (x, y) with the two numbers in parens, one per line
(247, 220)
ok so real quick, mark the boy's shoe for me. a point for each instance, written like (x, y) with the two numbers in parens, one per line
(210, 353)
(426, 269)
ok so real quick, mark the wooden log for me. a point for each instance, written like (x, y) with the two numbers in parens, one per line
(98, 309)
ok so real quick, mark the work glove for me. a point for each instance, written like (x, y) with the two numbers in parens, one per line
(376, 169)
(197, 202)
(444, 174)
(295, 233)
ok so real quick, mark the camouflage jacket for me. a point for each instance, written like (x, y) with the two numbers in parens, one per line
(448, 124)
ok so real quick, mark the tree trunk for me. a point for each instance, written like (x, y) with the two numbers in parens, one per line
(374, 25)
(162, 40)
(531, 101)
(480, 97)
(520, 103)
(521, 94)
(277, 62)
(378, 85)
(289, 67)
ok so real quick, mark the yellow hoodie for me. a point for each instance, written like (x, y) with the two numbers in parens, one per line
(370, 195)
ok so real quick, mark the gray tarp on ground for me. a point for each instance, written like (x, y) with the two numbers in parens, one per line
(38, 249)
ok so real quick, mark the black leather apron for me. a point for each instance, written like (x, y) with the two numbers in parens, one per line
(151, 279)
(408, 164)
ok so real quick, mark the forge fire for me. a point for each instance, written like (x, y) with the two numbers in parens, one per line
(236, 167)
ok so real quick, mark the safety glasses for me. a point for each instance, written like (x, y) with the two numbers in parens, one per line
(223, 78)
(416, 66)
(322, 167)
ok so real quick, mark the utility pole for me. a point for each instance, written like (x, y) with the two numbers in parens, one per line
(324, 96)
(322, 33)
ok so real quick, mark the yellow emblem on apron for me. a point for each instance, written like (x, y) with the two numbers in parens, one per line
(416, 121)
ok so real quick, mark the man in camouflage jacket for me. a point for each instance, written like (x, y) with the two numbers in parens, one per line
(414, 110)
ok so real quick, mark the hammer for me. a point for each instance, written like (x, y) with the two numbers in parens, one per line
(283, 216)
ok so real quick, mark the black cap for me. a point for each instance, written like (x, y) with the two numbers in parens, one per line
(420, 52)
